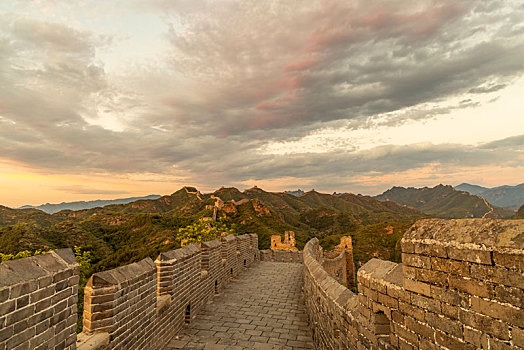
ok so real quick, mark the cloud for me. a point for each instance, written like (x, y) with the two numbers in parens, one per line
(487, 89)
(238, 75)
(87, 190)
(353, 60)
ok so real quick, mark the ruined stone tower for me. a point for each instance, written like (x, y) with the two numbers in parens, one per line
(288, 244)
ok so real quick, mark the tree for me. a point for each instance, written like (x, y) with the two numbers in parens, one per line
(204, 230)
(83, 258)
(22, 254)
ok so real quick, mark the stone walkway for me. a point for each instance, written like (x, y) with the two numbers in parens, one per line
(262, 309)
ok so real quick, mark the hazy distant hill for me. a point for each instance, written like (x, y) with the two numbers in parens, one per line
(445, 201)
(503, 196)
(55, 208)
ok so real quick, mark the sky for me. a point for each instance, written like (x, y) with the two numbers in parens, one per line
(110, 99)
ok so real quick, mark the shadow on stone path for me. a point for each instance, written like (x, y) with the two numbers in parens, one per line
(262, 309)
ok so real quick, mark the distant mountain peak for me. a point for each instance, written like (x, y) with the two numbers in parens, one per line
(505, 196)
(444, 201)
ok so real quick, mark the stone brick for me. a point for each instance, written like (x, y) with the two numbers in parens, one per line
(450, 266)
(497, 274)
(407, 246)
(410, 272)
(22, 289)
(517, 335)
(433, 277)
(4, 294)
(450, 296)
(511, 261)
(472, 255)
(28, 324)
(411, 310)
(425, 344)
(426, 303)
(7, 307)
(471, 286)
(416, 260)
(451, 343)
(419, 328)
(404, 345)
(506, 313)
(397, 317)
(484, 324)
(6, 333)
(444, 324)
(20, 338)
(510, 295)
(405, 334)
(430, 249)
(388, 301)
(417, 287)
(398, 293)
(473, 336)
(450, 311)
(497, 344)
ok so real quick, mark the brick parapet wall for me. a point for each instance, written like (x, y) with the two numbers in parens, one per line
(173, 289)
(229, 256)
(183, 271)
(331, 307)
(461, 286)
(38, 297)
(336, 267)
(118, 298)
(276, 255)
(470, 276)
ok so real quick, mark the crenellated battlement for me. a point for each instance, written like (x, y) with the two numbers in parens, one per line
(460, 286)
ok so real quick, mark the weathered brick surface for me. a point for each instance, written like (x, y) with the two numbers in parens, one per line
(38, 297)
(461, 286)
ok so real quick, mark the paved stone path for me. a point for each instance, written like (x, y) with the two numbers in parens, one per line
(262, 309)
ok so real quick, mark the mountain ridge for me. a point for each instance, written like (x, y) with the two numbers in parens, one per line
(506, 196)
(118, 234)
(445, 201)
(51, 208)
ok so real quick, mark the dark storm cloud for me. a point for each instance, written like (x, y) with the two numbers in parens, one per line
(240, 74)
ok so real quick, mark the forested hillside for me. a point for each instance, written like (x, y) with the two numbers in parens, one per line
(120, 234)
(446, 202)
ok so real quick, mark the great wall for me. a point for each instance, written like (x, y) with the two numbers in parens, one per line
(460, 286)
